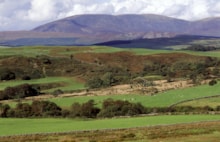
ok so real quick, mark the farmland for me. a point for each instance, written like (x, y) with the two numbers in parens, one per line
(171, 96)
(67, 83)
(22, 126)
(91, 70)
(68, 50)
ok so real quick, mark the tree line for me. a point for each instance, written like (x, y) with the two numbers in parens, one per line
(110, 108)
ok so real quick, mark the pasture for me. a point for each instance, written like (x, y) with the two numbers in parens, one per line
(163, 99)
(64, 51)
(212, 102)
(12, 126)
(67, 83)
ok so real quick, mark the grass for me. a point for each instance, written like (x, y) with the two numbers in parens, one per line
(212, 102)
(34, 51)
(164, 99)
(159, 100)
(11, 126)
(25, 51)
(70, 83)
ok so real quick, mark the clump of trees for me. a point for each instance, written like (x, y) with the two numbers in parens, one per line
(105, 80)
(198, 47)
(7, 75)
(20, 91)
(36, 109)
(110, 108)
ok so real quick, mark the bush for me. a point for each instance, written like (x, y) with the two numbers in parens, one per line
(8, 75)
(20, 91)
(57, 92)
(111, 108)
(94, 82)
(36, 74)
(212, 82)
(87, 110)
(26, 77)
(4, 108)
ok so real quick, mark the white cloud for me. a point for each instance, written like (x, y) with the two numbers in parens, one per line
(27, 14)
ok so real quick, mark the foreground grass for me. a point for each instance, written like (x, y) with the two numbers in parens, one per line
(190, 132)
(11, 126)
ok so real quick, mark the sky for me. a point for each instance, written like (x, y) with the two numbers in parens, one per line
(27, 14)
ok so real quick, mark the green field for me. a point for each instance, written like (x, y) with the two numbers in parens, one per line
(67, 50)
(164, 99)
(29, 126)
(68, 83)
(212, 102)
(159, 100)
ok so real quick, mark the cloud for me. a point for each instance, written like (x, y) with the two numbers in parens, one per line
(27, 14)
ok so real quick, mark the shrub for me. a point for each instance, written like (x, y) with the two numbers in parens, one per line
(36, 74)
(26, 77)
(4, 108)
(8, 75)
(111, 108)
(217, 108)
(57, 92)
(19, 91)
(94, 82)
(212, 82)
(45, 109)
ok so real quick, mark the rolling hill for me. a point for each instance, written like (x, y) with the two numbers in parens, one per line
(92, 29)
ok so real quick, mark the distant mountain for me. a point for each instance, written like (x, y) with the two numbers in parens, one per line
(92, 29)
(97, 24)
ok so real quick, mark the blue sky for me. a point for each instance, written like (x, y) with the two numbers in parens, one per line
(27, 14)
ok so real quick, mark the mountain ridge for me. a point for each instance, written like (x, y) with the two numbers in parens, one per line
(98, 28)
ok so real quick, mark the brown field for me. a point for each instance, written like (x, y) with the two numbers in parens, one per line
(194, 132)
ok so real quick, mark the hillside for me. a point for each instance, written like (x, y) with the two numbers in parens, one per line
(92, 29)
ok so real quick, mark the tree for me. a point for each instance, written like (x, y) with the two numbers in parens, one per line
(75, 110)
(22, 110)
(94, 82)
(108, 79)
(4, 108)
(89, 110)
(45, 108)
(19, 91)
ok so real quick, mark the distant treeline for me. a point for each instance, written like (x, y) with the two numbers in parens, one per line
(198, 47)
(110, 108)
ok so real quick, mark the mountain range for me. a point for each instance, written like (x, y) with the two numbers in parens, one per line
(93, 29)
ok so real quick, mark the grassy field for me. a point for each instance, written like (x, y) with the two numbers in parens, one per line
(67, 50)
(11, 126)
(69, 83)
(159, 100)
(212, 102)
(190, 132)
(163, 99)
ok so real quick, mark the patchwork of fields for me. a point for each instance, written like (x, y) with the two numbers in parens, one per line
(191, 96)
